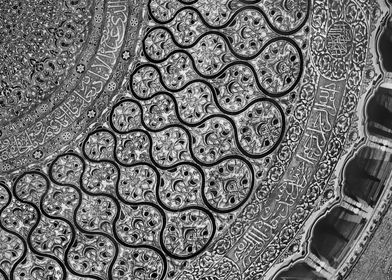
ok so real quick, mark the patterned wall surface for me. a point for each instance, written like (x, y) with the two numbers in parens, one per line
(175, 139)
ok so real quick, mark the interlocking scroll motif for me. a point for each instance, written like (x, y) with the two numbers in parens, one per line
(209, 158)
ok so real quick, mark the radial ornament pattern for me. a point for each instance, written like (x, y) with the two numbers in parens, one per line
(182, 139)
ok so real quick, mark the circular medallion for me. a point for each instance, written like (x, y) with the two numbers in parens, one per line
(181, 139)
(339, 41)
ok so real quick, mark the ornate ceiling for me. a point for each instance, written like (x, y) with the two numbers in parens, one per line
(193, 139)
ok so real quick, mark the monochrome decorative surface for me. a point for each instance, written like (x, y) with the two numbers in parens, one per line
(175, 139)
